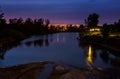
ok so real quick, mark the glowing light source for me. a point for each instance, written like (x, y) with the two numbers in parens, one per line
(95, 31)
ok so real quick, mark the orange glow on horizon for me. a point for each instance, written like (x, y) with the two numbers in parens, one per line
(65, 25)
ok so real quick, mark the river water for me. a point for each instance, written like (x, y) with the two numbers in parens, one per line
(62, 48)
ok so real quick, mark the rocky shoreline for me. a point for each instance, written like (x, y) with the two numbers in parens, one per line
(58, 71)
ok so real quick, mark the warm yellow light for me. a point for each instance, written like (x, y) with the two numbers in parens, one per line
(91, 30)
(114, 35)
(89, 56)
(94, 29)
(97, 29)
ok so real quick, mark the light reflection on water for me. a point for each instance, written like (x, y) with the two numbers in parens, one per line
(61, 48)
(89, 57)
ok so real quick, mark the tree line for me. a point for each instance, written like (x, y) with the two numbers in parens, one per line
(106, 29)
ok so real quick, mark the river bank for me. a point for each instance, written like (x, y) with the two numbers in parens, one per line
(112, 44)
(58, 71)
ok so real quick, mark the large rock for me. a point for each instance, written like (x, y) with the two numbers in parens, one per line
(75, 74)
(60, 69)
(24, 71)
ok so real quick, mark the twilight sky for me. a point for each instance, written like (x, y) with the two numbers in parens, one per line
(62, 11)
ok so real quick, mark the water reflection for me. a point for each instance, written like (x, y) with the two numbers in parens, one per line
(89, 58)
(45, 40)
(39, 42)
(60, 39)
(6, 47)
(36, 43)
(104, 54)
(60, 47)
(110, 58)
(96, 55)
(47, 48)
(2, 55)
(115, 61)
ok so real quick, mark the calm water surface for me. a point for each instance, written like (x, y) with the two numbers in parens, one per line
(63, 48)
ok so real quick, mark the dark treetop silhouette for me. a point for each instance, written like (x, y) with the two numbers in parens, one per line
(92, 20)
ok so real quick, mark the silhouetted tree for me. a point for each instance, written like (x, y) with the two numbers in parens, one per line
(47, 22)
(13, 21)
(20, 21)
(92, 20)
(29, 21)
(105, 30)
(82, 28)
(116, 26)
(2, 20)
(40, 22)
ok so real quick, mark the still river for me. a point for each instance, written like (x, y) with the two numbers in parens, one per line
(62, 48)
